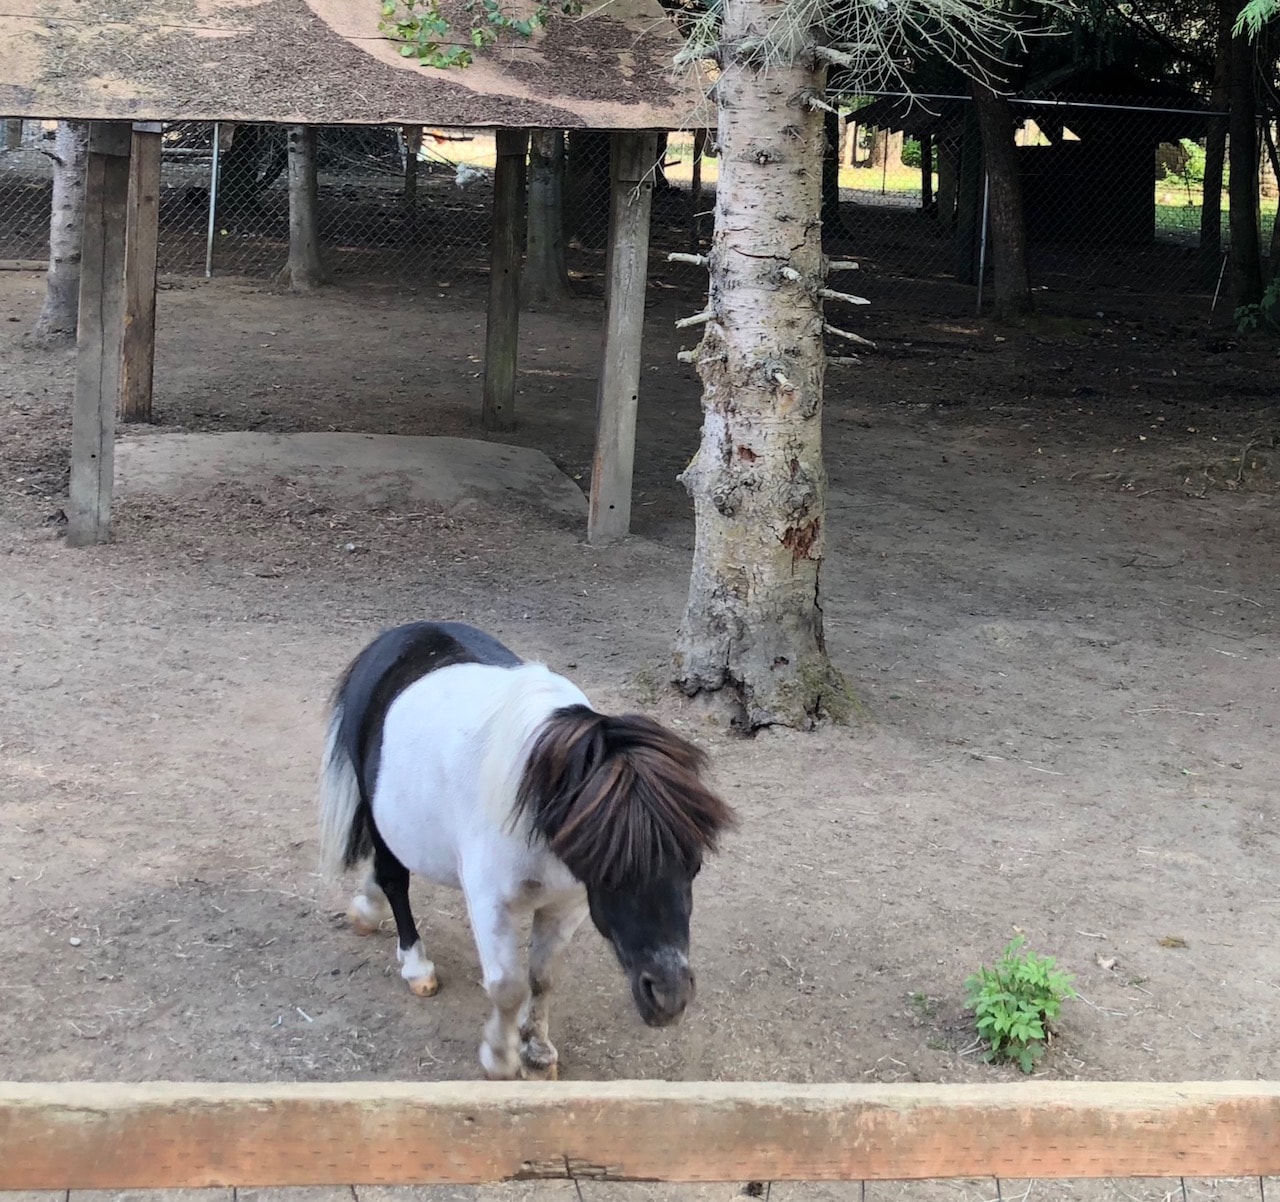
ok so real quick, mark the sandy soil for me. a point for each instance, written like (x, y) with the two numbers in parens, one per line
(1052, 579)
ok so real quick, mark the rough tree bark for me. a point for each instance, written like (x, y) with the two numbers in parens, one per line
(57, 320)
(1246, 251)
(752, 637)
(305, 271)
(1215, 150)
(545, 277)
(1011, 289)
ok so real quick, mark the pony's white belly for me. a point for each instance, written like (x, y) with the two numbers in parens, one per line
(407, 831)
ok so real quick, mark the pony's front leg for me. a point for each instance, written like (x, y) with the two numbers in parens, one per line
(553, 927)
(497, 940)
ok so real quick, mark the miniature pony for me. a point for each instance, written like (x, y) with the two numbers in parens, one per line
(450, 757)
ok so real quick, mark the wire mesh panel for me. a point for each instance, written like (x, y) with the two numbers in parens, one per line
(26, 175)
(1114, 194)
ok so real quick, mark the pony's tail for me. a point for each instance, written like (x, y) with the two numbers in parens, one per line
(344, 818)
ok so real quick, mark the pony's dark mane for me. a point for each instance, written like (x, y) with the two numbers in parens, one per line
(620, 800)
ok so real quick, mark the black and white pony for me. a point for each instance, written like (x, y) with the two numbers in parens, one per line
(450, 757)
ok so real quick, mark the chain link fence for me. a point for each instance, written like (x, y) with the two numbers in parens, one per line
(1114, 193)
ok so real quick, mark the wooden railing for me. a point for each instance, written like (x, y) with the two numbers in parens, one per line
(82, 1135)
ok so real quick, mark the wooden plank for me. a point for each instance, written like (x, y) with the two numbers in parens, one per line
(99, 334)
(502, 333)
(142, 234)
(80, 1135)
(627, 270)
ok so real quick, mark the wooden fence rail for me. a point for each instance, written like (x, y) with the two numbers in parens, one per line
(171, 1135)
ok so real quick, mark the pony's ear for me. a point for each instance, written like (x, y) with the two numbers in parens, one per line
(619, 799)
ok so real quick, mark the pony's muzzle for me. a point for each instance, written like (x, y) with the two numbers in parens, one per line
(663, 994)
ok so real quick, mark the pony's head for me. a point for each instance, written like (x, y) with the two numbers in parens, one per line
(621, 802)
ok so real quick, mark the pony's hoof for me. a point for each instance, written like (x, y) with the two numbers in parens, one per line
(427, 986)
(364, 917)
(550, 1073)
(498, 1069)
(539, 1059)
(418, 971)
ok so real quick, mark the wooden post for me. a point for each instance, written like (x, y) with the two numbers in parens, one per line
(141, 235)
(412, 135)
(13, 133)
(161, 1135)
(502, 333)
(627, 270)
(695, 191)
(100, 333)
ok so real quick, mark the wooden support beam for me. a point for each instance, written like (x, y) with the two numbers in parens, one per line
(502, 333)
(100, 333)
(80, 1135)
(627, 272)
(142, 232)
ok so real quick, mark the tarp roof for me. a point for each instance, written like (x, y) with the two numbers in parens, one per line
(324, 62)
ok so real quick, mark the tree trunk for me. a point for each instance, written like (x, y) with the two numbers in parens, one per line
(926, 173)
(1215, 150)
(545, 276)
(831, 222)
(1008, 231)
(412, 149)
(886, 149)
(1246, 253)
(948, 154)
(305, 271)
(752, 638)
(13, 133)
(968, 199)
(57, 320)
(1273, 160)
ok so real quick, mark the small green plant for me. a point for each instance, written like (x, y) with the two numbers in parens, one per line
(1263, 316)
(425, 33)
(1014, 1003)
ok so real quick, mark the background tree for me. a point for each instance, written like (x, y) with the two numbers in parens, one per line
(57, 320)
(545, 277)
(752, 640)
(305, 270)
(752, 636)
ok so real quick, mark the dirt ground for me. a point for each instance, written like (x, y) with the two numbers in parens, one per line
(1052, 579)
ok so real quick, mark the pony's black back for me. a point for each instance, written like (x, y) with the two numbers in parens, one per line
(379, 674)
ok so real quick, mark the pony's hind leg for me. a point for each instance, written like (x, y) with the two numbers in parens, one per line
(369, 908)
(553, 927)
(392, 879)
